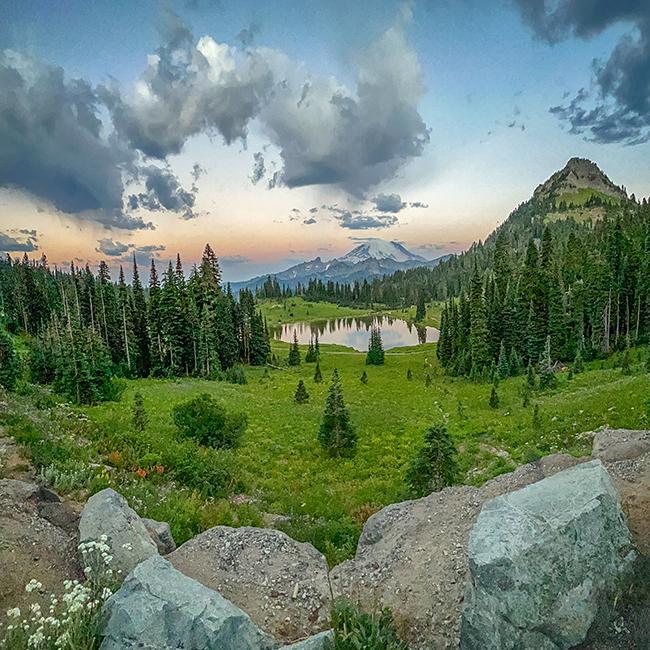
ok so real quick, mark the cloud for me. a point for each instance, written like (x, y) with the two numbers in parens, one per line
(247, 35)
(352, 221)
(187, 89)
(309, 221)
(259, 168)
(234, 259)
(418, 204)
(388, 202)
(111, 248)
(10, 244)
(617, 109)
(329, 135)
(164, 192)
(313, 210)
(53, 146)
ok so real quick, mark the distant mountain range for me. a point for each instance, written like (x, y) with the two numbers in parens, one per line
(371, 258)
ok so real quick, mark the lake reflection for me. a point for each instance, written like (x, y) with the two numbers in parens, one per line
(354, 332)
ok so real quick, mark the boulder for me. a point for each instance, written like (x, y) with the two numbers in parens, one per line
(161, 534)
(543, 561)
(107, 513)
(37, 541)
(159, 607)
(626, 455)
(316, 642)
(282, 584)
(412, 556)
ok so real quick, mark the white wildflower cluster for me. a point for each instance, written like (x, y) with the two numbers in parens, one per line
(67, 618)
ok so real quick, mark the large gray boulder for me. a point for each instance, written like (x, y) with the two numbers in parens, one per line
(161, 534)
(543, 561)
(158, 607)
(108, 514)
(412, 556)
(282, 584)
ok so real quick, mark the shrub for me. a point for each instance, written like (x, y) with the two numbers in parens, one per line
(354, 629)
(435, 466)
(208, 422)
(494, 398)
(140, 419)
(236, 375)
(9, 362)
(318, 375)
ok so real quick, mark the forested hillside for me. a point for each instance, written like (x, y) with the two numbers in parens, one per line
(84, 328)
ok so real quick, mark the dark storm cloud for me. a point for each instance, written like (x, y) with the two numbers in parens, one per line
(111, 248)
(188, 89)
(329, 136)
(10, 244)
(164, 192)
(388, 202)
(352, 221)
(619, 110)
(52, 146)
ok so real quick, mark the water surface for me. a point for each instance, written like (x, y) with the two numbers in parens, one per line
(354, 332)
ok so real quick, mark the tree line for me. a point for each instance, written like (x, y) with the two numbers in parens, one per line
(85, 329)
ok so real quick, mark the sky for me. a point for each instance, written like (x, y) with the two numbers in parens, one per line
(279, 131)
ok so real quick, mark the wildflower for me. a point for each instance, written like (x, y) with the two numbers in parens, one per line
(13, 613)
(33, 585)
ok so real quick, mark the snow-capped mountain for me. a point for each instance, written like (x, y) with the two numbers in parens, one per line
(371, 258)
(379, 249)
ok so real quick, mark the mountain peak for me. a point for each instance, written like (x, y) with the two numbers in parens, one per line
(380, 249)
(579, 174)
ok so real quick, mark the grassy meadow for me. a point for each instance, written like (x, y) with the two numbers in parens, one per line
(280, 477)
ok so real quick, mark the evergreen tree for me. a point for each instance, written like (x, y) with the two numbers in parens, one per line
(578, 364)
(318, 377)
(375, 356)
(301, 396)
(547, 378)
(294, 351)
(503, 366)
(140, 328)
(494, 398)
(9, 361)
(364, 377)
(420, 309)
(427, 380)
(336, 434)
(155, 320)
(626, 364)
(310, 357)
(531, 376)
(479, 334)
(409, 374)
(140, 419)
(434, 467)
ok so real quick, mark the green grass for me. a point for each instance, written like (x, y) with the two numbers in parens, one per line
(434, 312)
(280, 465)
(294, 310)
(582, 195)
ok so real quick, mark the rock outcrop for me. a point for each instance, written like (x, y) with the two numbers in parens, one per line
(37, 541)
(282, 584)
(107, 513)
(626, 455)
(412, 556)
(543, 561)
(159, 607)
(316, 642)
(161, 534)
